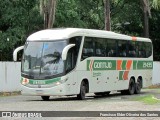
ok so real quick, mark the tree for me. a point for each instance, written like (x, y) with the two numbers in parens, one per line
(16, 24)
(156, 3)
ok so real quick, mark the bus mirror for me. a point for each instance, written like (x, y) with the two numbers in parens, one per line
(65, 51)
(16, 51)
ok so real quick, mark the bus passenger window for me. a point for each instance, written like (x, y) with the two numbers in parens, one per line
(100, 47)
(148, 49)
(88, 48)
(141, 50)
(111, 48)
(122, 48)
(132, 49)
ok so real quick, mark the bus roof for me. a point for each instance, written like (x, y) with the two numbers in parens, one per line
(65, 33)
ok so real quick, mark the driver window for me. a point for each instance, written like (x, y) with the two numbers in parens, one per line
(72, 54)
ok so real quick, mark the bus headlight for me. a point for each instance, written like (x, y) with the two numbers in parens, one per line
(63, 79)
(25, 81)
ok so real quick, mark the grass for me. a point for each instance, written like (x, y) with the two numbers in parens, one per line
(149, 99)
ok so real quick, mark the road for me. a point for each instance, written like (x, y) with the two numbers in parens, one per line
(113, 102)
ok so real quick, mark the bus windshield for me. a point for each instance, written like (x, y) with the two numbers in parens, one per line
(43, 59)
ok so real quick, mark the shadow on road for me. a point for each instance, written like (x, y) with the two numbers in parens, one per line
(112, 96)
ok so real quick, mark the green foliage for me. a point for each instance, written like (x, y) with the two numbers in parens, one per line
(20, 18)
(154, 33)
(80, 13)
(130, 12)
(16, 23)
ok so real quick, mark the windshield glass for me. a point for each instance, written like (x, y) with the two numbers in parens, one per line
(43, 59)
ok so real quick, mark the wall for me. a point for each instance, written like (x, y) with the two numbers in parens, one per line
(156, 73)
(10, 76)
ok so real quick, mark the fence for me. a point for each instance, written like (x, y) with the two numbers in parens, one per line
(10, 75)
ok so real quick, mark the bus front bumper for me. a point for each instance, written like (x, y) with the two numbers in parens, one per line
(57, 90)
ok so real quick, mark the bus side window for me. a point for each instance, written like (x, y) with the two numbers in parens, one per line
(88, 48)
(73, 53)
(100, 47)
(111, 48)
(148, 49)
(122, 48)
(141, 50)
(132, 52)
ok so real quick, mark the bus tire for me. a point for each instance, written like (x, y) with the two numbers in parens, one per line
(81, 95)
(131, 88)
(138, 86)
(45, 98)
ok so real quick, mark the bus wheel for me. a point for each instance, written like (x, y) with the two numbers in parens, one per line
(45, 98)
(81, 95)
(131, 88)
(138, 86)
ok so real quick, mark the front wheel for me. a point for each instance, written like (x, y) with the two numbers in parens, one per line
(81, 95)
(45, 98)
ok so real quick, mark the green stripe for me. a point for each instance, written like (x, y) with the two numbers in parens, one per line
(142, 65)
(88, 63)
(112, 64)
(121, 75)
(134, 64)
(124, 64)
(43, 82)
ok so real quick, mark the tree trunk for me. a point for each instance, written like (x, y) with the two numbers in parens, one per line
(146, 13)
(47, 9)
(107, 15)
(52, 9)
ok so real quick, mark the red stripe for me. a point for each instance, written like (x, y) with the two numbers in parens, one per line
(128, 65)
(119, 64)
(125, 75)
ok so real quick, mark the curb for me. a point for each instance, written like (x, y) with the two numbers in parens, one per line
(10, 93)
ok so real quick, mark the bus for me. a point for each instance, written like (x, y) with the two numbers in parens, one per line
(76, 61)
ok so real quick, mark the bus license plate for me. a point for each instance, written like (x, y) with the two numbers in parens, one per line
(39, 92)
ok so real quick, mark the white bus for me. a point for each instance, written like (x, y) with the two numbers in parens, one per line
(74, 61)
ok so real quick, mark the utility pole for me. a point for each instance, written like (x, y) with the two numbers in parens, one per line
(107, 15)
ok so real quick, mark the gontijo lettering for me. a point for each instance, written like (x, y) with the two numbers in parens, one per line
(93, 65)
(102, 65)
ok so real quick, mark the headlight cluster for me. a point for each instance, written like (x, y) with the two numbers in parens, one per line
(63, 79)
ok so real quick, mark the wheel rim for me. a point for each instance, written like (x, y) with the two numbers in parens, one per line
(132, 88)
(83, 91)
(138, 87)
